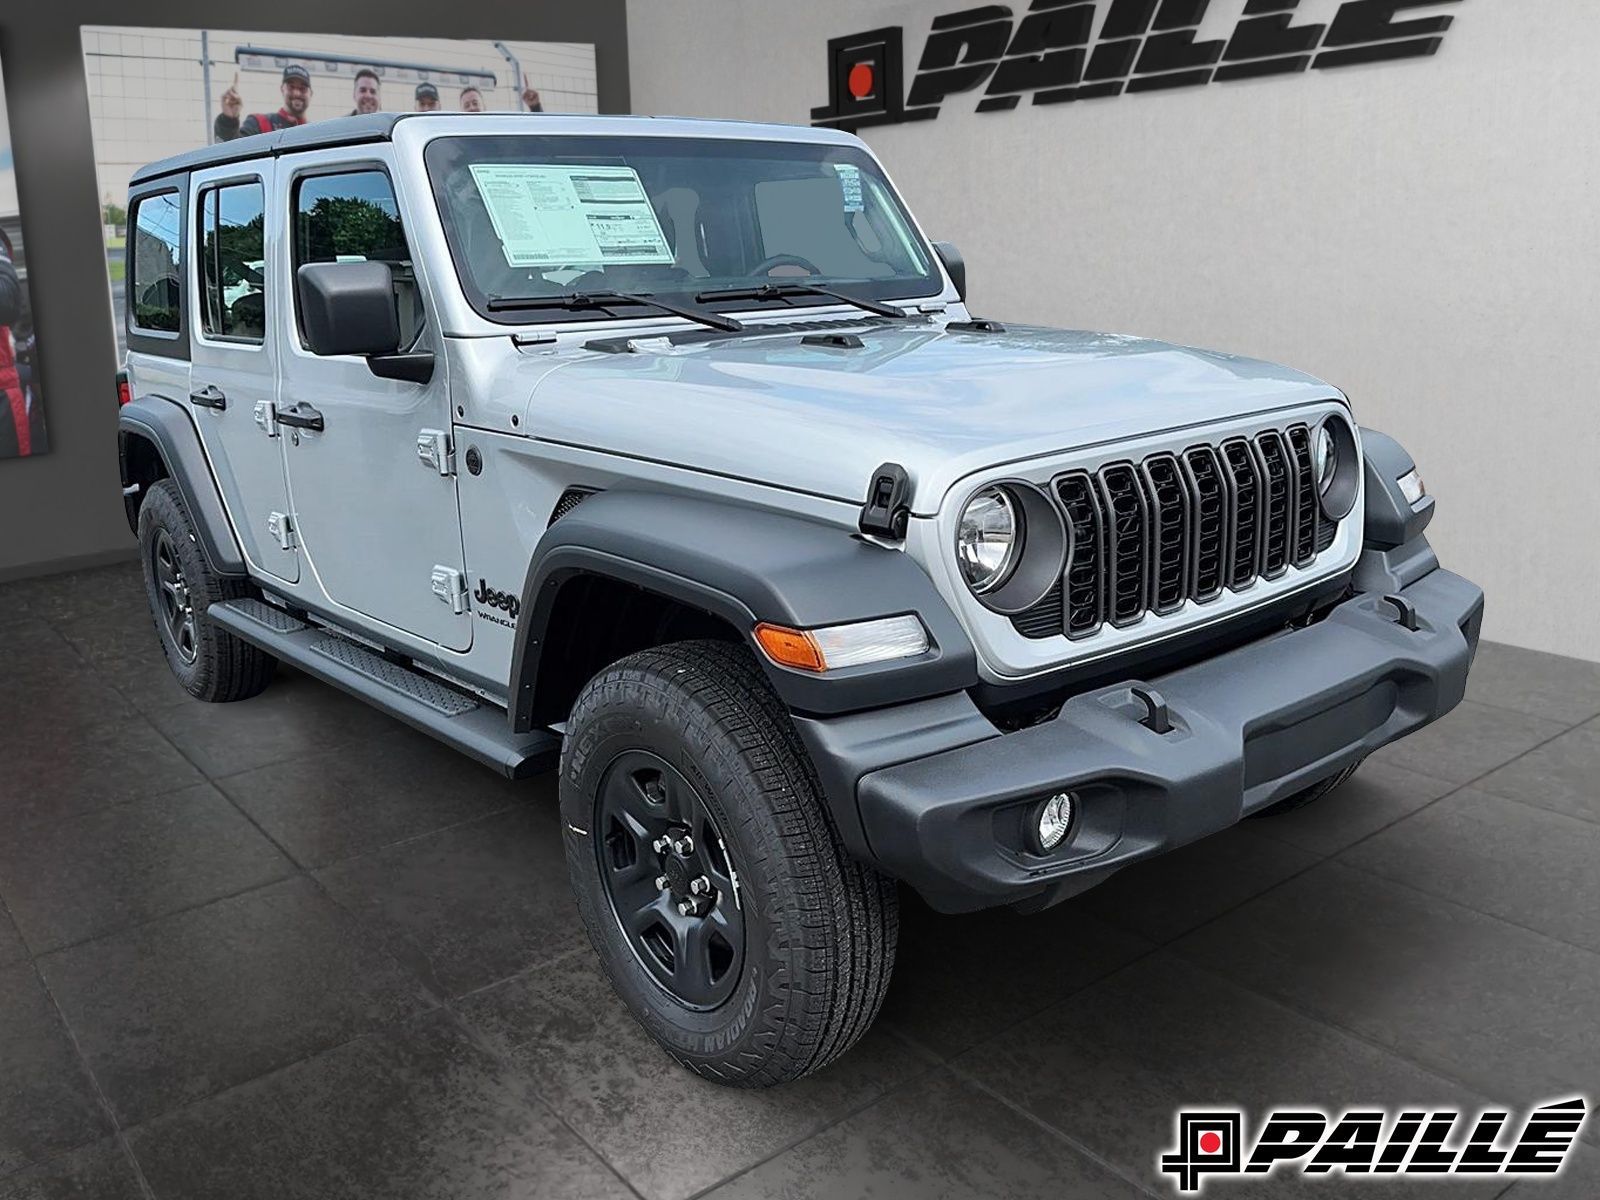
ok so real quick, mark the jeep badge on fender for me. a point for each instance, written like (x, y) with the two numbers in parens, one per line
(814, 588)
(504, 601)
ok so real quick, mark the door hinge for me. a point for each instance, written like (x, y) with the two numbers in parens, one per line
(281, 526)
(434, 450)
(450, 587)
(267, 417)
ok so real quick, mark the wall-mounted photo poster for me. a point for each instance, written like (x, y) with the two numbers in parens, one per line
(22, 430)
(158, 92)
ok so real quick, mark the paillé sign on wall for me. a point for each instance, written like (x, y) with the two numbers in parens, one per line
(1054, 55)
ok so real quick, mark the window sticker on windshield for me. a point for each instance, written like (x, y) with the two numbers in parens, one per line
(562, 216)
(850, 184)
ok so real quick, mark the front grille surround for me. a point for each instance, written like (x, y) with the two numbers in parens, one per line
(1152, 535)
(1015, 647)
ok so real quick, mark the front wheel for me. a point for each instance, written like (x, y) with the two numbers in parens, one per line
(713, 885)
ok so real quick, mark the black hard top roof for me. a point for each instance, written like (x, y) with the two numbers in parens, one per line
(338, 131)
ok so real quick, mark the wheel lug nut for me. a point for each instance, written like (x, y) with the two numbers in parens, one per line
(684, 845)
(685, 907)
(700, 886)
(661, 845)
(661, 883)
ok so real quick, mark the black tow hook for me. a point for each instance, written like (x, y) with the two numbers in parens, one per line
(1157, 717)
(1406, 613)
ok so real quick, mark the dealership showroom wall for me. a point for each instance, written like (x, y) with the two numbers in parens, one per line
(323, 905)
(1417, 233)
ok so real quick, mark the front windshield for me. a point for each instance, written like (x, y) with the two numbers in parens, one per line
(530, 217)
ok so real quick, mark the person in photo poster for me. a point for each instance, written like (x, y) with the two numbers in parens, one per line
(296, 89)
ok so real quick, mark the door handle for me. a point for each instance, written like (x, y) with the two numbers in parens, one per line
(300, 416)
(210, 396)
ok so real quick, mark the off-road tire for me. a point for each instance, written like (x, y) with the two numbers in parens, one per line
(819, 926)
(223, 667)
(1310, 795)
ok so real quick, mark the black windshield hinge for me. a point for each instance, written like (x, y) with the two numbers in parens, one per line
(888, 505)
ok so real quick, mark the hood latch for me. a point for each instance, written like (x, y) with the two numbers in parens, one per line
(888, 505)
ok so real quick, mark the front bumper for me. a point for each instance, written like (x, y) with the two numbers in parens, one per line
(1248, 728)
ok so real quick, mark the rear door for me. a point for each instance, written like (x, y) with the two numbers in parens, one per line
(379, 523)
(233, 363)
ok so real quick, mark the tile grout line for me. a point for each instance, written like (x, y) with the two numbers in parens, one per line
(1434, 1072)
(1089, 1153)
(101, 1098)
(930, 1068)
(155, 920)
(210, 1097)
(1488, 916)
(1506, 708)
(478, 1039)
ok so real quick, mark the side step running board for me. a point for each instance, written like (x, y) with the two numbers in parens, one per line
(455, 717)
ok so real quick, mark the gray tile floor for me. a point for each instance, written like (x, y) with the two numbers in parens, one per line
(287, 948)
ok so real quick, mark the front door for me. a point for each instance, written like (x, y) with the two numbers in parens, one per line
(233, 364)
(378, 524)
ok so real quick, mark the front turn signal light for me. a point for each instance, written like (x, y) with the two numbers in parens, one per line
(833, 647)
(1412, 487)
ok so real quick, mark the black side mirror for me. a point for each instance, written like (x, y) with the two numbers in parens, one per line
(955, 266)
(348, 308)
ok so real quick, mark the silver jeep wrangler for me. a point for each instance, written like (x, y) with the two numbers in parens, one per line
(668, 451)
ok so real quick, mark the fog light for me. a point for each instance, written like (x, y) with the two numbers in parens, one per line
(1055, 819)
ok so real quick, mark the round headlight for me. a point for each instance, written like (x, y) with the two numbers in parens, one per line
(989, 539)
(1325, 458)
(1337, 464)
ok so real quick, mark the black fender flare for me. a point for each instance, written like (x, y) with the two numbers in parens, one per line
(167, 426)
(1390, 519)
(745, 565)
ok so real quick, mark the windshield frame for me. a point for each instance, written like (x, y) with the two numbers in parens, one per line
(930, 288)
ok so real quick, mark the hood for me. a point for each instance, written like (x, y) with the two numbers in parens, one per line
(813, 418)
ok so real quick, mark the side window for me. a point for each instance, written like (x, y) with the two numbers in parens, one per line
(156, 288)
(353, 217)
(233, 265)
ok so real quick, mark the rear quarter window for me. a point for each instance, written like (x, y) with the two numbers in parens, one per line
(155, 264)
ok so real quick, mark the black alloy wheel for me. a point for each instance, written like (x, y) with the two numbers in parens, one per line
(180, 586)
(177, 606)
(671, 884)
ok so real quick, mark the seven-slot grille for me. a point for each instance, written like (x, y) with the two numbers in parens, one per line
(1151, 536)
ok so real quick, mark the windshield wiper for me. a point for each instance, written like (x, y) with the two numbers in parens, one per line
(782, 291)
(581, 300)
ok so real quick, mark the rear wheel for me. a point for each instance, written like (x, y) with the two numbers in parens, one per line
(1310, 795)
(717, 894)
(209, 662)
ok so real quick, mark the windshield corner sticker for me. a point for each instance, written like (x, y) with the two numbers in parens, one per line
(850, 184)
(1068, 50)
(563, 216)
